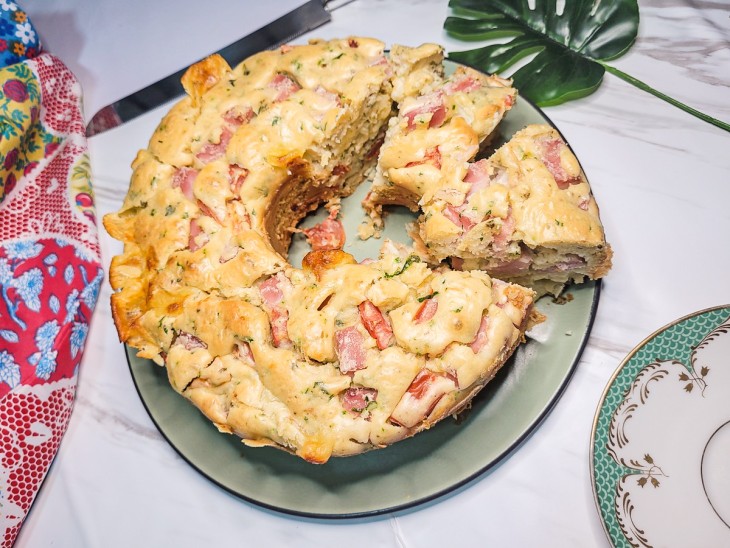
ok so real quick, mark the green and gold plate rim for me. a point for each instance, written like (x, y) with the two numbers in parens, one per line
(613, 395)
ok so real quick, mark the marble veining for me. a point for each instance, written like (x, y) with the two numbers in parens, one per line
(115, 421)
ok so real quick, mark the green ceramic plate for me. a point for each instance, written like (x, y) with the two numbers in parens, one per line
(414, 471)
(661, 438)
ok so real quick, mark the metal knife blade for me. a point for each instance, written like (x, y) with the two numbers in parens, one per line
(306, 17)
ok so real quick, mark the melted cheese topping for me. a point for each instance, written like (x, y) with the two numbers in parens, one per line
(461, 300)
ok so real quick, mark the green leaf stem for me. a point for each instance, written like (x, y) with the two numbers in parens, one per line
(570, 48)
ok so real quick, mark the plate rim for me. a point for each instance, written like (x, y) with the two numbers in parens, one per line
(609, 384)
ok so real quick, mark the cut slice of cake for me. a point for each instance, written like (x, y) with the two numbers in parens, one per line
(435, 134)
(526, 215)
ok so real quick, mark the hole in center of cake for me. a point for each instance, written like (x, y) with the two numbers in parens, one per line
(352, 215)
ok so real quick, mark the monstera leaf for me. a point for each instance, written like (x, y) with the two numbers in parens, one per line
(570, 47)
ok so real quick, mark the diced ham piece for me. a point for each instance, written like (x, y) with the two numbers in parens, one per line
(357, 398)
(349, 345)
(183, 179)
(426, 311)
(272, 295)
(452, 214)
(481, 338)
(421, 397)
(455, 215)
(237, 175)
(213, 151)
(464, 84)
(584, 202)
(376, 324)
(551, 157)
(502, 238)
(234, 118)
(514, 267)
(329, 234)
(285, 87)
(432, 104)
(229, 253)
(189, 341)
(271, 292)
(569, 262)
(198, 238)
(477, 176)
(243, 353)
(207, 211)
(431, 156)
(279, 331)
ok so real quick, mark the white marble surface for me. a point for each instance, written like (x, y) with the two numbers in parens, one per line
(661, 177)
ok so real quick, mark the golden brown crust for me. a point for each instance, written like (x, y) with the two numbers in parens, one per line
(321, 260)
(202, 76)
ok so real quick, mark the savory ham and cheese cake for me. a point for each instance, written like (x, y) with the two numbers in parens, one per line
(337, 357)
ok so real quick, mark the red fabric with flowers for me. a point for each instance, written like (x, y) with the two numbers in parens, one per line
(50, 272)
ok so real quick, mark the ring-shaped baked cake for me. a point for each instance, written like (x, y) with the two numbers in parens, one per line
(336, 357)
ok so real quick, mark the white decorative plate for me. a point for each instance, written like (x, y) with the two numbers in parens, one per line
(660, 446)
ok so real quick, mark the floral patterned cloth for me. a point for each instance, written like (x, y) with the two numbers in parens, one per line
(50, 265)
(18, 38)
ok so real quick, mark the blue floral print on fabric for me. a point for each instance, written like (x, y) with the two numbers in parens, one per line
(26, 290)
(18, 38)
